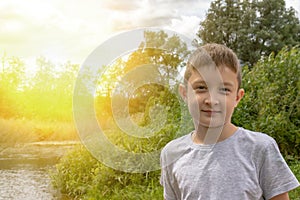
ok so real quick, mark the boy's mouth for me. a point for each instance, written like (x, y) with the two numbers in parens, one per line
(211, 111)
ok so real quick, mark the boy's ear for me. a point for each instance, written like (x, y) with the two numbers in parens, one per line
(239, 96)
(183, 92)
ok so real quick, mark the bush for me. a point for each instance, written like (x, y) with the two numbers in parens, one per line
(271, 103)
(79, 175)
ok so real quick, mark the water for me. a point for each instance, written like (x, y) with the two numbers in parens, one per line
(24, 170)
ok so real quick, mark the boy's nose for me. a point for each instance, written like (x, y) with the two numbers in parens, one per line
(211, 99)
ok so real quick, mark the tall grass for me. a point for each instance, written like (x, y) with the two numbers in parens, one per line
(24, 130)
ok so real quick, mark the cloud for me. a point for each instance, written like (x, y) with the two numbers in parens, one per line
(158, 13)
(38, 28)
(124, 5)
(71, 29)
(186, 25)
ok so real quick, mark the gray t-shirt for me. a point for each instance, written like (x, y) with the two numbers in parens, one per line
(247, 165)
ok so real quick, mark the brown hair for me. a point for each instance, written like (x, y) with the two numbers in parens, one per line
(216, 55)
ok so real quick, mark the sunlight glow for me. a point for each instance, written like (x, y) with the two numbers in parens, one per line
(30, 29)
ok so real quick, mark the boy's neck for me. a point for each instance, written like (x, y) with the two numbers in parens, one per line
(205, 135)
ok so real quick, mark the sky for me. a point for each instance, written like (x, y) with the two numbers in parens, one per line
(70, 30)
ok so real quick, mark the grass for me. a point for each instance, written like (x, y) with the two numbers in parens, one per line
(14, 131)
(295, 167)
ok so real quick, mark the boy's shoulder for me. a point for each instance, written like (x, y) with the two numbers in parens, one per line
(175, 148)
(178, 143)
(257, 144)
(254, 137)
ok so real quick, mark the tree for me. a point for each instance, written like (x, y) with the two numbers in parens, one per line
(48, 96)
(252, 28)
(158, 48)
(12, 83)
(127, 92)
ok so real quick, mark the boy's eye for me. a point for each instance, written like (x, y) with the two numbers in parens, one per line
(225, 90)
(201, 88)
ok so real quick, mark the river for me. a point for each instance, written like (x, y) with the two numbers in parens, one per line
(24, 170)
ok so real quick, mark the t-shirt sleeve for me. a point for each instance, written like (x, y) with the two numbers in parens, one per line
(166, 179)
(275, 175)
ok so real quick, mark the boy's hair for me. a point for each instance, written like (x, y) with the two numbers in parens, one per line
(216, 55)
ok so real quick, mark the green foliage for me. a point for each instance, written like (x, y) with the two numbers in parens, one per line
(251, 28)
(80, 176)
(50, 91)
(45, 95)
(295, 167)
(36, 107)
(74, 173)
(271, 103)
(11, 85)
(155, 104)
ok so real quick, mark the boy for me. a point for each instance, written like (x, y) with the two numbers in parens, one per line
(218, 160)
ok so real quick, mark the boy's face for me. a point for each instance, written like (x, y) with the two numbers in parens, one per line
(211, 95)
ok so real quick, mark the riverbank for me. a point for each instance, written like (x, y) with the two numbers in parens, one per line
(25, 169)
